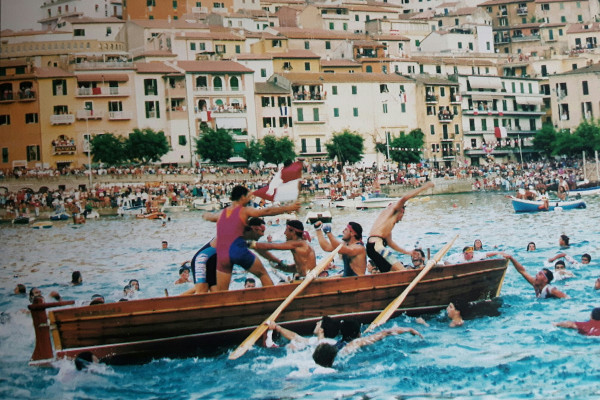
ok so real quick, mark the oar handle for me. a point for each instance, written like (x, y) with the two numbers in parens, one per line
(386, 314)
(260, 329)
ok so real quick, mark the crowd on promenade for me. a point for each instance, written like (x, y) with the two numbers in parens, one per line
(213, 183)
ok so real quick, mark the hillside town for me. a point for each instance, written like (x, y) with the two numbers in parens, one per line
(479, 79)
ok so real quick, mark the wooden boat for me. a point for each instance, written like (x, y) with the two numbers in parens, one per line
(42, 225)
(63, 216)
(521, 205)
(152, 215)
(22, 220)
(184, 326)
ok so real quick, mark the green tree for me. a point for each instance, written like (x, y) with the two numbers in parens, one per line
(253, 152)
(348, 146)
(215, 145)
(277, 150)
(587, 137)
(146, 145)
(407, 148)
(108, 148)
(544, 139)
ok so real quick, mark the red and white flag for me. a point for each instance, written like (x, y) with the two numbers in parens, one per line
(284, 185)
(500, 132)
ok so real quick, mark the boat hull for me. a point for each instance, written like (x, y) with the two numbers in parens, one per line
(521, 205)
(591, 191)
(366, 204)
(139, 330)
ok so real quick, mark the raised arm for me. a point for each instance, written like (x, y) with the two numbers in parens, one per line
(556, 257)
(323, 242)
(212, 217)
(520, 268)
(394, 245)
(286, 333)
(263, 212)
(411, 194)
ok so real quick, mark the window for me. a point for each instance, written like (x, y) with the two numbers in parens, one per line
(220, 49)
(460, 45)
(345, 26)
(545, 7)
(456, 129)
(331, 26)
(354, 89)
(442, 91)
(580, 18)
(115, 106)
(383, 88)
(31, 118)
(192, 46)
(201, 82)
(263, 72)
(355, 111)
(33, 153)
(470, 45)
(315, 114)
(385, 108)
(307, 45)
(327, 45)
(59, 87)
(403, 107)
(301, 116)
(150, 87)
(522, 87)
(563, 18)
(78, 32)
(369, 69)
(150, 3)
(174, 4)
(276, 43)
(238, 49)
(336, 112)
(182, 140)
(303, 145)
(484, 124)
(287, 66)
(108, 31)
(471, 124)
(307, 66)
(334, 90)
(5, 151)
(217, 83)
(4, 119)
(432, 129)
(438, 69)
(355, 17)
(152, 109)
(584, 85)
(318, 144)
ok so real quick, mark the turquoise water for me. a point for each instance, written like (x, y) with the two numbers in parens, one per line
(516, 355)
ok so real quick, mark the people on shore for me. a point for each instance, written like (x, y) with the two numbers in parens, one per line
(354, 253)
(380, 236)
(540, 282)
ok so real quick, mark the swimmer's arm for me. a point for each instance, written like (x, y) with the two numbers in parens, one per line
(557, 293)
(367, 340)
(286, 333)
(291, 245)
(556, 257)
(566, 324)
(520, 268)
(211, 217)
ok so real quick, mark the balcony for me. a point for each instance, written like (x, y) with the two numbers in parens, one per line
(431, 99)
(89, 114)
(177, 92)
(455, 99)
(502, 40)
(26, 95)
(103, 92)
(310, 98)
(177, 114)
(525, 38)
(448, 138)
(445, 117)
(64, 148)
(62, 119)
(119, 115)
(522, 11)
(199, 10)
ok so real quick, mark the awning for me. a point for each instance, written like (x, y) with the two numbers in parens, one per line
(490, 138)
(231, 123)
(485, 82)
(486, 96)
(532, 101)
(102, 77)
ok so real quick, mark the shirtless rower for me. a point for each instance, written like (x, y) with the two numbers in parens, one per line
(381, 233)
(231, 246)
(304, 255)
(353, 251)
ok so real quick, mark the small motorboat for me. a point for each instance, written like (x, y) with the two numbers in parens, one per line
(521, 205)
(22, 220)
(62, 216)
(366, 201)
(314, 216)
(205, 205)
(42, 225)
(92, 215)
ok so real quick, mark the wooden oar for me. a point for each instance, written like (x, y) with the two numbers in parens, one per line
(257, 333)
(395, 304)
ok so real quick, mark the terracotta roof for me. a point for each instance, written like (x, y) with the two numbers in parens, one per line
(557, 1)
(592, 69)
(90, 20)
(390, 36)
(580, 28)
(165, 24)
(340, 63)
(433, 80)
(102, 77)
(269, 88)
(452, 61)
(296, 54)
(342, 77)
(251, 56)
(300, 33)
(27, 32)
(212, 66)
(210, 36)
(498, 2)
(156, 53)
(155, 67)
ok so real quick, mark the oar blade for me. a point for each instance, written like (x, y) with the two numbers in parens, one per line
(387, 313)
(257, 333)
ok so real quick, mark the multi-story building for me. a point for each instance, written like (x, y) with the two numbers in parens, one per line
(376, 106)
(273, 110)
(20, 131)
(575, 96)
(52, 11)
(511, 20)
(500, 116)
(478, 39)
(440, 118)
(220, 95)
(566, 11)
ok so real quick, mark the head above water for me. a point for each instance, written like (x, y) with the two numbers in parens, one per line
(76, 278)
(586, 258)
(349, 329)
(549, 275)
(596, 314)
(330, 327)
(324, 355)
(531, 246)
(564, 240)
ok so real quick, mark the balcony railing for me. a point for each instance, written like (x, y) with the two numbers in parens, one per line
(431, 99)
(521, 10)
(62, 119)
(119, 115)
(103, 91)
(200, 10)
(445, 117)
(525, 38)
(60, 149)
(89, 114)
(26, 95)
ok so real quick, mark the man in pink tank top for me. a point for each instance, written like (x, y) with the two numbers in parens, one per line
(231, 246)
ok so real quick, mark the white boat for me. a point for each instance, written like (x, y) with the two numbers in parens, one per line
(92, 215)
(321, 202)
(173, 209)
(584, 191)
(276, 220)
(366, 201)
(202, 204)
(127, 208)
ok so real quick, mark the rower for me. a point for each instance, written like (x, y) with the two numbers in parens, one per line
(353, 252)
